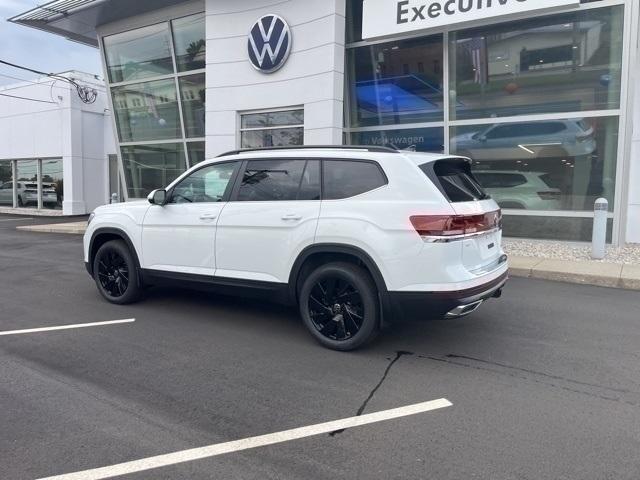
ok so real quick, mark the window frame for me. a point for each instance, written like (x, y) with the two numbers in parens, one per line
(242, 129)
(322, 160)
(227, 193)
(243, 169)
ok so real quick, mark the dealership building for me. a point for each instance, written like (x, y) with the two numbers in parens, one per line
(543, 95)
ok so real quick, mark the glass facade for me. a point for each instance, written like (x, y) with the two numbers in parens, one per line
(147, 167)
(535, 103)
(157, 86)
(562, 63)
(38, 184)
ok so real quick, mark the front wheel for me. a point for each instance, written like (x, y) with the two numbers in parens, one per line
(115, 274)
(339, 305)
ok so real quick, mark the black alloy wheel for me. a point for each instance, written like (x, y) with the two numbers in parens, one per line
(115, 273)
(335, 308)
(339, 306)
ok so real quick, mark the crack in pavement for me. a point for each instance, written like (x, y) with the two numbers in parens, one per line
(525, 374)
(399, 354)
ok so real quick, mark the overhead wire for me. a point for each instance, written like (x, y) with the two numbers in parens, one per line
(86, 94)
(26, 98)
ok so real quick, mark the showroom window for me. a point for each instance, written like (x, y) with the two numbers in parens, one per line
(535, 103)
(157, 85)
(274, 128)
(563, 63)
(38, 183)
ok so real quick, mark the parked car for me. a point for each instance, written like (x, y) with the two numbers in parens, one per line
(27, 194)
(525, 141)
(355, 237)
(519, 190)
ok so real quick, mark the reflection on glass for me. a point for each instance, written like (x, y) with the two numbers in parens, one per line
(137, 54)
(396, 82)
(196, 152)
(562, 63)
(147, 167)
(189, 40)
(27, 183)
(551, 228)
(192, 92)
(52, 184)
(279, 137)
(543, 165)
(6, 184)
(147, 111)
(417, 139)
(273, 119)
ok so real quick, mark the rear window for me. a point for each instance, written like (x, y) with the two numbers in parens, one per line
(455, 180)
(345, 179)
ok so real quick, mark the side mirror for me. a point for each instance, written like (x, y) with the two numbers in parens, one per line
(158, 197)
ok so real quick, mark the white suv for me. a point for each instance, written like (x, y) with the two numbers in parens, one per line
(355, 237)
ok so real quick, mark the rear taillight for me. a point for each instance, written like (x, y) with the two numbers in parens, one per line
(456, 225)
(549, 195)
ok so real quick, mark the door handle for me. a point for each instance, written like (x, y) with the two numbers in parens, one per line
(208, 216)
(292, 217)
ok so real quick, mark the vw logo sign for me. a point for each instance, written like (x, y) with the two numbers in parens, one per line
(269, 43)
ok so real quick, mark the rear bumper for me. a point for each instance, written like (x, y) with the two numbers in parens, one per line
(437, 305)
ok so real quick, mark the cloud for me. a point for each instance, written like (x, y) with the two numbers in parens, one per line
(39, 50)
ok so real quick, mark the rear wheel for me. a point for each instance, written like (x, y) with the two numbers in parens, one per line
(339, 305)
(114, 271)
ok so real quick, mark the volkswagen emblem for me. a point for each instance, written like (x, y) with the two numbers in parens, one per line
(269, 43)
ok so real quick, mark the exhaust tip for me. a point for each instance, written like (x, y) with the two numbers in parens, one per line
(464, 310)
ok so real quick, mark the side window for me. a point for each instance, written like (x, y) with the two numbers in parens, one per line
(344, 179)
(206, 185)
(279, 180)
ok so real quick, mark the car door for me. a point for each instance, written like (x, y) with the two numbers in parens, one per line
(271, 218)
(180, 235)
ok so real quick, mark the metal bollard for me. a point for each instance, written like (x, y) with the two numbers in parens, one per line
(114, 198)
(599, 239)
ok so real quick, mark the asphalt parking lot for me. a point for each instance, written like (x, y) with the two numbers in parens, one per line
(544, 383)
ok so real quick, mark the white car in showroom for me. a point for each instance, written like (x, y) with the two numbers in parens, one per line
(520, 190)
(27, 194)
(356, 237)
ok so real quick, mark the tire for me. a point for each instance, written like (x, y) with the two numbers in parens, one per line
(338, 304)
(115, 273)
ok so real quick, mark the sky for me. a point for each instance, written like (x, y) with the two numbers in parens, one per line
(39, 50)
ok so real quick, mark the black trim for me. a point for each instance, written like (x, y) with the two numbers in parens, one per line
(111, 231)
(273, 291)
(435, 305)
(311, 147)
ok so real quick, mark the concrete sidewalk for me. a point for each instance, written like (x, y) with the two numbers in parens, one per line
(585, 272)
(74, 228)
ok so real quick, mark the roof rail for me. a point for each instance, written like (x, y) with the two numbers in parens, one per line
(367, 148)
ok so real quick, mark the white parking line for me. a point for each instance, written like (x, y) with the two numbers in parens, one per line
(15, 219)
(251, 442)
(65, 327)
